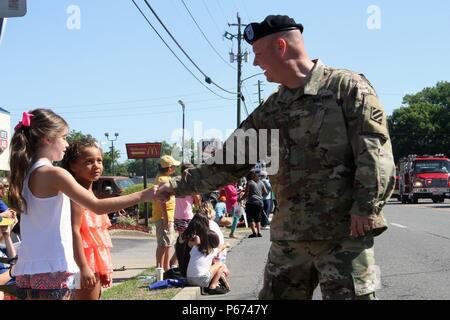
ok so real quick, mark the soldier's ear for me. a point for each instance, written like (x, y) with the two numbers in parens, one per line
(281, 46)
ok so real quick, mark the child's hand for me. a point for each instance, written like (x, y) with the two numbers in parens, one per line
(10, 213)
(6, 231)
(105, 280)
(88, 279)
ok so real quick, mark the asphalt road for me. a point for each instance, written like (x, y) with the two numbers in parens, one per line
(413, 255)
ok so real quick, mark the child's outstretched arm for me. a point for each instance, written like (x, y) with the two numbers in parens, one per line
(63, 181)
(87, 275)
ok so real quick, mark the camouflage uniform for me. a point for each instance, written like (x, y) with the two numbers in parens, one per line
(335, 161)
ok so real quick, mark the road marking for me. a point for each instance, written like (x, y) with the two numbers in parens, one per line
(398, 225)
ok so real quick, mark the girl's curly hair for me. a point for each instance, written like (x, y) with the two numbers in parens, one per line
(75, 149)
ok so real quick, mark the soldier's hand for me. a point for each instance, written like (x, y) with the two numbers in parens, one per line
(149, 194)
(360, 225)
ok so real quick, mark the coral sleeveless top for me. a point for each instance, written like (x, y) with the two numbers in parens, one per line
(96, 241)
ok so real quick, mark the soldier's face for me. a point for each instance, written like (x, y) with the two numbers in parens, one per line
(266, 57)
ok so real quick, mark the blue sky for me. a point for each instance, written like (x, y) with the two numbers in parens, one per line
(114, 74)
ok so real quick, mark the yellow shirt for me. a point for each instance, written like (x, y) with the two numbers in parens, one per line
(170, 205)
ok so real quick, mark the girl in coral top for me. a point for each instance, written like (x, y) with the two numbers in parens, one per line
(92, 243)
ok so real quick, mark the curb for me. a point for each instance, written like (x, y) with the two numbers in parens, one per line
(188, 293)
(116, 233)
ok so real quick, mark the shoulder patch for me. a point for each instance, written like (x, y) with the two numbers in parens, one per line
(376, 114)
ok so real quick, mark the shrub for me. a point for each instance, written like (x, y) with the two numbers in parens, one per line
(136, 188)
(126, 221)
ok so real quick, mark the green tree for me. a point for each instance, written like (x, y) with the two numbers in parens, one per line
(77, 135)
(107, 161)
(422, 125)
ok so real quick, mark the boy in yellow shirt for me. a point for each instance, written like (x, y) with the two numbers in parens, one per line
(163, 214)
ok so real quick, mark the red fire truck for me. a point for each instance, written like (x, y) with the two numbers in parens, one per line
(424, 177)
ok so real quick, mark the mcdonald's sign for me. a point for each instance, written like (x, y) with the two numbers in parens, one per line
(143, 150)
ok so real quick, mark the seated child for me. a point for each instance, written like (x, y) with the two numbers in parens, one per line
(201, 272)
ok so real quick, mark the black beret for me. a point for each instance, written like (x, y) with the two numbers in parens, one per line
(271, 24)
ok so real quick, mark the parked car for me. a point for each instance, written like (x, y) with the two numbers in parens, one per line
(107, 187)
(113, 186)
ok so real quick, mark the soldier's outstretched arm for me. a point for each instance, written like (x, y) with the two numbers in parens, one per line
(231, 163)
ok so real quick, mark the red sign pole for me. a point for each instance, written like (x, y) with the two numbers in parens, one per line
(144, 151)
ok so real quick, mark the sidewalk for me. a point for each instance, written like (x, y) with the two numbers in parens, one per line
(133, 251)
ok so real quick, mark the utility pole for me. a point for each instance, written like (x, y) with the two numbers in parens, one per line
(182, 143)
(259, 91)
(238, 58)
(112, 150)
(239, 72)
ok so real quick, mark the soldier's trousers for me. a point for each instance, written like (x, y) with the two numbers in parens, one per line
(344, 269)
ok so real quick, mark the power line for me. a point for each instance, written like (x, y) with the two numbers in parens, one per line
(248, 95)
(115, 103)
(207, 79)
(215, 23)
(146, 113)
(168, 47)
(206, 38)
(129, 108)
(212, 18)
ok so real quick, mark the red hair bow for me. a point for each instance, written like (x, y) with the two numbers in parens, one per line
(26, 121)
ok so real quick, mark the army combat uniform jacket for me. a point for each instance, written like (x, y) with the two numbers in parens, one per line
(335, 157)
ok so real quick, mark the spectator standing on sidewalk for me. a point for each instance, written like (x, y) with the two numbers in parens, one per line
(91, 240)
(254, 192)
(163, 214)
(267, 201)
(233, 207)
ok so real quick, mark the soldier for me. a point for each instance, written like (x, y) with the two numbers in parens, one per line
(336, 170)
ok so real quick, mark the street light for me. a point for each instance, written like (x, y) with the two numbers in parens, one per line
(241, 97)
(112, 150)
(182, 142)
(258, 74)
